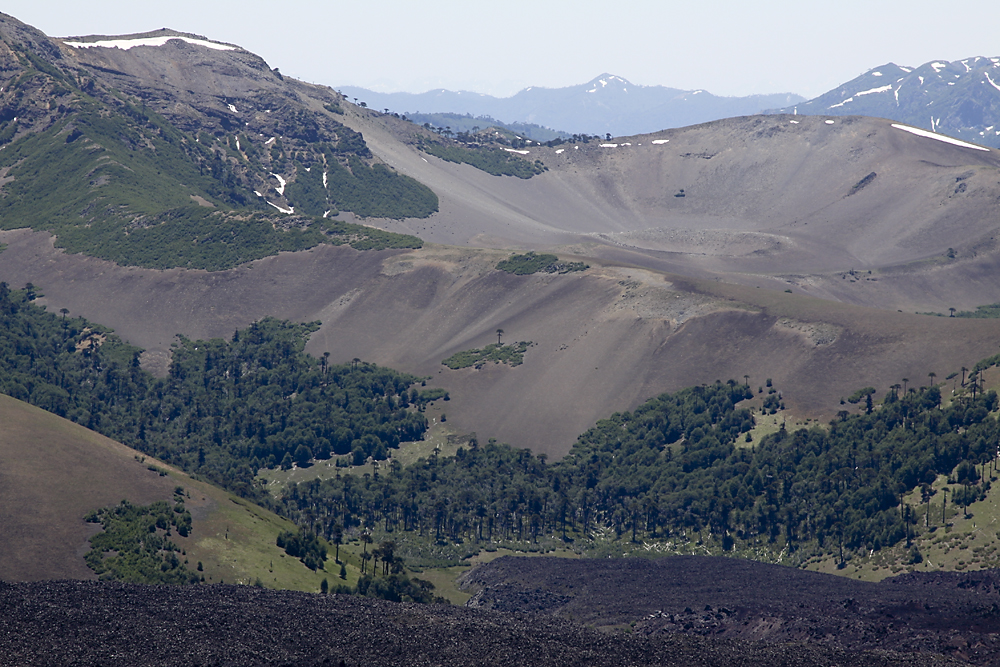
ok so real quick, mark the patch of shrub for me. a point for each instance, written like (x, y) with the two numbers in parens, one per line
(528, 263)
(510, 354)
(305, 546)
(495, 161)
(133, 546)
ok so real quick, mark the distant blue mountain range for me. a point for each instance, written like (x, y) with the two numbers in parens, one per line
(607, 104)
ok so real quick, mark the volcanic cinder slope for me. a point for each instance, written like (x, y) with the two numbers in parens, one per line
(693, 235)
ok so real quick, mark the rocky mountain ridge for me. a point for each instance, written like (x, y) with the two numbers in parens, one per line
(959, 98)
(166, 138)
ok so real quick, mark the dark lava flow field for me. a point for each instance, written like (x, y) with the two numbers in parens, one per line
(945, 613)
(109, 624)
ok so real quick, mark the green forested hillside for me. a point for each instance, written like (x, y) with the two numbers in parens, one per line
(676, 470)
(225, 410)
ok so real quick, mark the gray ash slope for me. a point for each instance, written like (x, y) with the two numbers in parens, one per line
(109, 624)
(954, 614)
(959, 98)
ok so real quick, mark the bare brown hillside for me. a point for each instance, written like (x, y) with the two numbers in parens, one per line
(605, 340)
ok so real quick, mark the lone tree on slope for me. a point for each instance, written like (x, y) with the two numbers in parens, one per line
(499, 334)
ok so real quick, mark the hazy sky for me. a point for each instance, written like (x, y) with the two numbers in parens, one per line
(727, 48)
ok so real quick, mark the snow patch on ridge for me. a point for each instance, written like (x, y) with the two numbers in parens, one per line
(126, 44)
(514, 150)
(286, 211)
(281, 190)
(881, 89)
(658, 142)
(938, 137)
(992, 82)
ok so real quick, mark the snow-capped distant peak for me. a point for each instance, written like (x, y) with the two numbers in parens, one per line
(605, 80)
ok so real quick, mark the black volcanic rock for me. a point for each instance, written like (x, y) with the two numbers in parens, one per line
(956, 614)
(109, 624)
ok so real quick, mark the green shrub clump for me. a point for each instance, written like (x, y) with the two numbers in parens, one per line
(495, 161)
(133, 546)
(523, 265)
(512, 355)
(305, 546)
